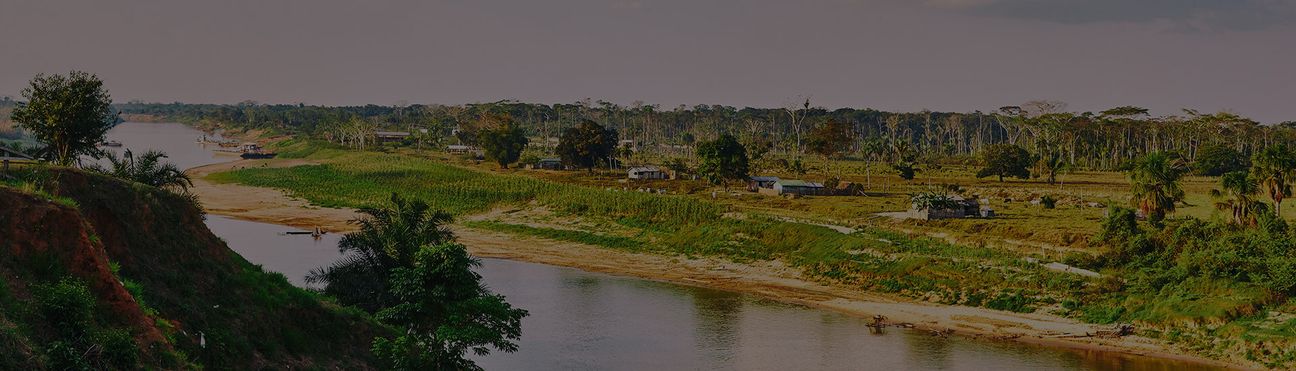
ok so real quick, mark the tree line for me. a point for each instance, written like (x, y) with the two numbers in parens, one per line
(1105, 140)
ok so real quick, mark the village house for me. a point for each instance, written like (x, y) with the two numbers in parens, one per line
(647, 173)
(756, 183)
(797, 187)
(548, 164)
(391, 136)
(951, 207)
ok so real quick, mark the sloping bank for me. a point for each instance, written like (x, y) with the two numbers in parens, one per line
(981, 292)
(124, 276)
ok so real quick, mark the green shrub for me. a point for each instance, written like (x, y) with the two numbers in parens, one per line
(974, 299)
(61, 355)
(1012, 302)
(1102, 314)
(1118, 225)
(119, 349)
(67, 305)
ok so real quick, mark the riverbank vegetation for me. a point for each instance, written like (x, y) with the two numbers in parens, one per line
(1194, 260)
(100, 273)
(403, 267)
(1187, 304)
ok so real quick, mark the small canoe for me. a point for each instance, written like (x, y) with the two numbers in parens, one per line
(257, 155)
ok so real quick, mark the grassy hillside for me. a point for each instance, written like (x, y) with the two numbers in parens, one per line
(141, 262)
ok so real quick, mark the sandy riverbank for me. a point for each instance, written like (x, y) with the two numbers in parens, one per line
(770, 279)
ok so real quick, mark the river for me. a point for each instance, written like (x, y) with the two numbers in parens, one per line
(591, 321)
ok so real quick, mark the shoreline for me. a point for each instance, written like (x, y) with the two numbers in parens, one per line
(769, 279)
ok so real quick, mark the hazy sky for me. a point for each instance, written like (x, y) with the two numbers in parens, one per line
(949, 55)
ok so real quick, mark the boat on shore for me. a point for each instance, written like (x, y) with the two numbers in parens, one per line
(258, 155)
(253, 151)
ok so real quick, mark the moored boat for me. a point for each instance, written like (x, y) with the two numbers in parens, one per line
(253, 151)
(257, 155)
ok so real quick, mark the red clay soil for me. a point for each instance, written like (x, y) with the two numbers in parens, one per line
(249, 319)
(32, 227)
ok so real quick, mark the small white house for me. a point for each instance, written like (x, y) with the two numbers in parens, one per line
(459, 148)
(646, 173)
(391, 136)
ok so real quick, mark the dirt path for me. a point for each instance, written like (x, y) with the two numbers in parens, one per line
(770, 279)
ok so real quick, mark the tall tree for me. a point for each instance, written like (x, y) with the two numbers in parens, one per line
(586, 145)
(797, 117)
(1154, 183)
(872, 149)
(832, 140)
(903, 155)
(1273, 168)
(722, 160)
(70, 114)
(444, 311)
(403, 266)
(1237, 195)
(1051, 163)
(1216, 160)
(503, 142)
(1005, 160)
(388, 238)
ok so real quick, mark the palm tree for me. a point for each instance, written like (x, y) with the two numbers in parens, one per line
(388, 238)
(1238, 193)
(147, 169)
(1051, 163)
(1273, 168)
(1155, 185)
(33, 151)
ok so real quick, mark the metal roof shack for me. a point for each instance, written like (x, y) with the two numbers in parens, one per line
(646, 172)
(756, 183)
(797, 187)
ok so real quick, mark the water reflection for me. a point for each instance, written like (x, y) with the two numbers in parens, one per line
(269, 246)
(178, 141)
(929, 351)
(718, 315)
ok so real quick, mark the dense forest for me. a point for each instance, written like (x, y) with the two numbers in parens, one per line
(1090, 140)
